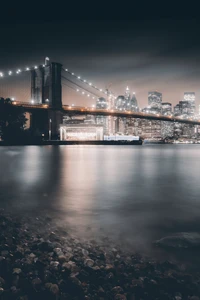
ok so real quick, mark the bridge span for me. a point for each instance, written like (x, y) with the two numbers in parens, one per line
(80, 110)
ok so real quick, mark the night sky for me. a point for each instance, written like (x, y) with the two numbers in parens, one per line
(145, 53)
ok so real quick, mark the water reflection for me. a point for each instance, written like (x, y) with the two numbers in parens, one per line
(137, 194)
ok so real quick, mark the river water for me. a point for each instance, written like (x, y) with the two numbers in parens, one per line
(134, 194)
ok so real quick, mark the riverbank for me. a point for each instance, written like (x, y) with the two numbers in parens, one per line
(58, 142)
(41, 260)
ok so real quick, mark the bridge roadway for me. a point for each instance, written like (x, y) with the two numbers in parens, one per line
(79, 110)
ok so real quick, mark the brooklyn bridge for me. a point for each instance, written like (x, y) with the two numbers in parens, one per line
(46, 109)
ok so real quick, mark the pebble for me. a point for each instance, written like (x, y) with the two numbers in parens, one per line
(120, 297)
(66, 267)
(17, 271)
(89, 262)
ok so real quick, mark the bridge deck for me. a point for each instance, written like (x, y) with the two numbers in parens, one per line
(108, 112)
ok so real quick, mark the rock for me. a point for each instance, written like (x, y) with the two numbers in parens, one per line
(85, 252)
(2, 282)
(13, 289)
(1, 290)
(117, 290)
(71, 265)
(54, 264)
(180, 240)
(45, 246)
(89, 262)
(58, 251)
(32, 255)
(17, 271)
(109, 267)
(4, 253)
(36, 282)
(137, 282)
(53, 288)
(120, 297)
(62, 258)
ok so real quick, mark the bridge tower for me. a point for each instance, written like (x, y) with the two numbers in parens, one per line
(46, 85)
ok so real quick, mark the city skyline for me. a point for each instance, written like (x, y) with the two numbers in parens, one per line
(136, 53)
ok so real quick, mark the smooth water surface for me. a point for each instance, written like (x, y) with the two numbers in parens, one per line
(136, 194)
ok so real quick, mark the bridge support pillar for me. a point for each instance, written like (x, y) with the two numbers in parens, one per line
(54, 121)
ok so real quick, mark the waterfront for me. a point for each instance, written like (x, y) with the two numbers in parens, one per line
(134, 195)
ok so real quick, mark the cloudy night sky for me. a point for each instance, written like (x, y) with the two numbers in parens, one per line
(146, 54)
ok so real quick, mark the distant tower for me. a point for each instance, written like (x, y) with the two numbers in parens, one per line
(46, 84)
(127, 93)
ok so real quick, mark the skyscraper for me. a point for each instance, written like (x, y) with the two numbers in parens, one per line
(190, 97)
(166, 108)
(155, 101)
(132, 104)
(101, 103)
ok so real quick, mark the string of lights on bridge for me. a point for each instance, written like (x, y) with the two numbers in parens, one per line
(82, 92)
(18, 71)
(88, 83)
(79, 90)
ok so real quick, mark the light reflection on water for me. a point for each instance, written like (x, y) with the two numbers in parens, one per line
(135, 193)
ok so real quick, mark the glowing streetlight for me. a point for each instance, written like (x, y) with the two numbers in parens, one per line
(27, 69)
(10, 73)
(35, 67)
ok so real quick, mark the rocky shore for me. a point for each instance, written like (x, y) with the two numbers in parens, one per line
(39, 260)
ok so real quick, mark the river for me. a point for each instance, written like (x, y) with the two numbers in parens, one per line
(134, 194)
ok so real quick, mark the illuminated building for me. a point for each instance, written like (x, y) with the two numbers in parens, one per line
(167, 129)
(132, 105)
(166, 108)
(127, 94)
(117, 137)
(81, 132)
(120, 103)
(177, 110)
(190, 98)
(101, 103)
(185, 107)
(155, 101)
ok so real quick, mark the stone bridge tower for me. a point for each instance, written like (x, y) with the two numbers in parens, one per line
(46, 85)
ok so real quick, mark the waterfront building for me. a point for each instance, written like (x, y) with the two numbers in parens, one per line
(81, 132)
(167, 129)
